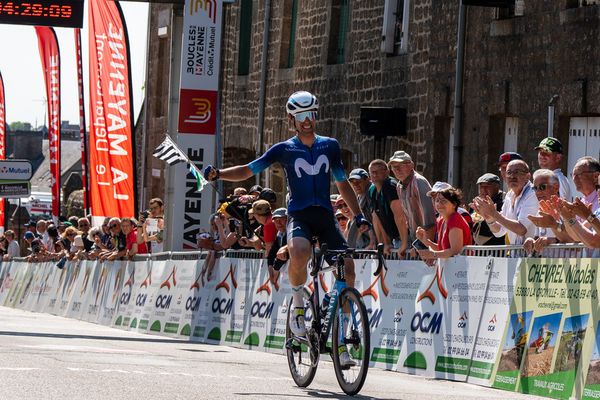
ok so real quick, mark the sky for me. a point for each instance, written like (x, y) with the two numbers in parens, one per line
(21, 68)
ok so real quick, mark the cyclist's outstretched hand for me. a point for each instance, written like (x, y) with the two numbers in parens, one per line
(210, 173)
(362, 223)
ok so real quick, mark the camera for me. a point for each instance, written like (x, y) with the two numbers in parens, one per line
(418, 245)
(145, 214)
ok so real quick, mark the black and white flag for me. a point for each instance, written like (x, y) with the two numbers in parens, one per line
(169, 152)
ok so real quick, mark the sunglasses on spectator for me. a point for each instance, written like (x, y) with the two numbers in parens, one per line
(541, 187)
(342, 206)
(342, 218)
(70, 234)
(516, 172)
(113, 226)
(303, 116)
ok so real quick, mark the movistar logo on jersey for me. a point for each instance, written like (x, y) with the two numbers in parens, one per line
(309, 169)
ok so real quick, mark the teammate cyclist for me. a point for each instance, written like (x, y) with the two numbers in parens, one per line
(308, 160)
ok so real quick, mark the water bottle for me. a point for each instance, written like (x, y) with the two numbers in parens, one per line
(325, 305)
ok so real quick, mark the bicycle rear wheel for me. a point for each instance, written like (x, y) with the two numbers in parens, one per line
(351, 330)
(302, 358)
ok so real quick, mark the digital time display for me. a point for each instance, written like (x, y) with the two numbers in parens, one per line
(62, 13)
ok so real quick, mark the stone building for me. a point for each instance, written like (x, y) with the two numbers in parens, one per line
(400, 54)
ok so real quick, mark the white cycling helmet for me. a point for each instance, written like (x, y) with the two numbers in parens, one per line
(300, 102)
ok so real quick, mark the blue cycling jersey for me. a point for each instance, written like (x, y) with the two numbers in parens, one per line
(307, 169)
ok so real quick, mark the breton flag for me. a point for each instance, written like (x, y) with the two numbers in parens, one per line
(170, 153)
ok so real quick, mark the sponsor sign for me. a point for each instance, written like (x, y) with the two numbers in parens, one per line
(443, 324)
(112, 176)
(15, 170)
(550, 341)
(495, 316)
(14, 189)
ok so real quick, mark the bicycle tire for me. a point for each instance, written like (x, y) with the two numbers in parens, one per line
(302, 373)
(360, 351)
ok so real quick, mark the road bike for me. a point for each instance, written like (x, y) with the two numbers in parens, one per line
(343, 315)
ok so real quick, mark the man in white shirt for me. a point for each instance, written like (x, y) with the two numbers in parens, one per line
(585, 176)
(550, 154)
(520, 201)
(13, 249)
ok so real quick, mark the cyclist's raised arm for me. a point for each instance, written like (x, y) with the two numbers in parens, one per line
(234, 174)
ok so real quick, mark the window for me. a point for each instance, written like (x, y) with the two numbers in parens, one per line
(394, 39)
(288, 34)
(245, 36)
(340, 10)
(516, 10)
(584, 140)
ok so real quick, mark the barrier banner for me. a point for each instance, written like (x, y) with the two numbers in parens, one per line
(441, 330)
(495, 316)
(20, 273)
(39, 296)
(204, 285)
(269, 311)
(111, 139)
(390, 301)
(172, 295)
(148, 289)
(50, 57)
(549, 341)
(127, 297)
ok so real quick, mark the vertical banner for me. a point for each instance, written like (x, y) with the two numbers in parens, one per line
(198, 111)
(112, 178)
(2, 143)
(50, 56)
(84, 170)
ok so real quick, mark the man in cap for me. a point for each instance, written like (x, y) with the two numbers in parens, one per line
(269, 195)
(412, 191)
(503, 161)
(389, 220)
(255, 190)
(519, 203)
(360, 182)
(550, 154)
(488, 185)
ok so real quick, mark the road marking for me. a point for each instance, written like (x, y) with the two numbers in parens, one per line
(17, 369)
(86, 349)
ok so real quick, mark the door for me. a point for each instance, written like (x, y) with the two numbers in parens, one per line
(584, 140)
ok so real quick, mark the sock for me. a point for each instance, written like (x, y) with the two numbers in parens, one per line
(297, 298)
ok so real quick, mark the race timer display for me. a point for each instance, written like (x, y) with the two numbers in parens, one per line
(63, 13)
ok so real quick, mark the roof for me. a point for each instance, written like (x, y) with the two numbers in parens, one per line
(70, 159)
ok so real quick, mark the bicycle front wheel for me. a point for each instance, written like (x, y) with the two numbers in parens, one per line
(351, 334)
(302, 359)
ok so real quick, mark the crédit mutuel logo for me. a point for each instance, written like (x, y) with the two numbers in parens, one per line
(224, 284)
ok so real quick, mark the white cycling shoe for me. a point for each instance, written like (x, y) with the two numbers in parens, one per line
(346, 362)
(297, 323)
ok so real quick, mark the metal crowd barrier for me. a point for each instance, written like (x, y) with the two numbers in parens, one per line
(563, 250)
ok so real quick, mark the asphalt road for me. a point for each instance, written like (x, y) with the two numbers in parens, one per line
(49, 357)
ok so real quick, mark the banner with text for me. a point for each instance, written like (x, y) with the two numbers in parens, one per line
(2, 143)
(50, 56)
(111, 138)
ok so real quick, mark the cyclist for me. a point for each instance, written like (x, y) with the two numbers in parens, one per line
(309, 160)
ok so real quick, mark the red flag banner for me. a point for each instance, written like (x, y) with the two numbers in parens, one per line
(112, 174)
(84, 173)
(2, 144)
(50, 55)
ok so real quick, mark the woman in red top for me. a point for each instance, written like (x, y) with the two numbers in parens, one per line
(453, 231)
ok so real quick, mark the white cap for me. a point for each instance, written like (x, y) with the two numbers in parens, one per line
(438, 187)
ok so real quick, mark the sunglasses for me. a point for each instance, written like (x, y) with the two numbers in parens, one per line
(113, 226)
(342, 206)
(303, 116)
(342, 219)
(70, 234)
(541, 187)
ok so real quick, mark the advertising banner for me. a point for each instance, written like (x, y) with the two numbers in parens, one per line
(495, 315)
(198, 116)
(442, 326)
(50, 56)
(111, 139)
(82, 126)
(550, 338)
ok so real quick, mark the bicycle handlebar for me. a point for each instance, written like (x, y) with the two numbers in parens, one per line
(323, 251)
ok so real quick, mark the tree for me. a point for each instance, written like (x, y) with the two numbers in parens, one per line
(20, 126)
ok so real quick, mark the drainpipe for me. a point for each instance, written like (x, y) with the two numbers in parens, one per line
(551, 104)
(458, 95)
(263, 82)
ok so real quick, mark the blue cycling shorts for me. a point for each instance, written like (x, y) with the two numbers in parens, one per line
(316, 221)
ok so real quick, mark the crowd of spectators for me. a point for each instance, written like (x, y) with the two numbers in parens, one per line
(413, 218)
(75, 238)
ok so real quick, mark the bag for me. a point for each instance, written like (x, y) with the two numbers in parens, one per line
(61, 263)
